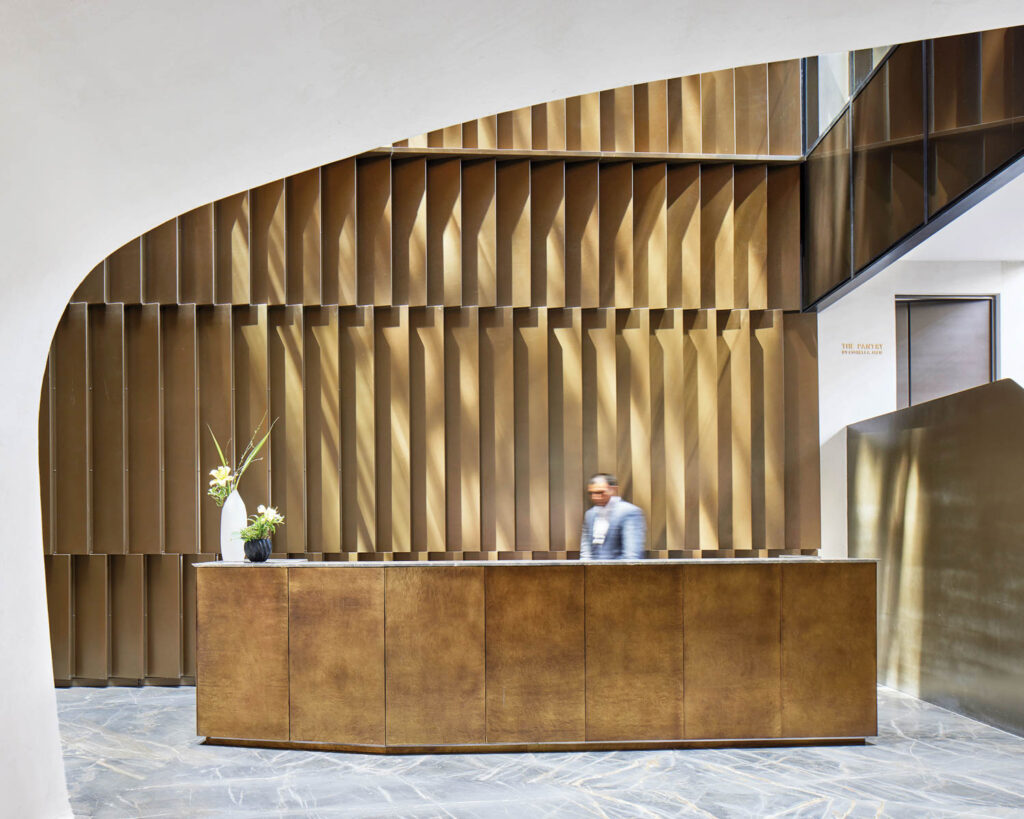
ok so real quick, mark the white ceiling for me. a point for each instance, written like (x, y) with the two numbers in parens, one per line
(993, 230)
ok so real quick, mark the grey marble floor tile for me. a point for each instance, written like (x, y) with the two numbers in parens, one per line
(133, 752)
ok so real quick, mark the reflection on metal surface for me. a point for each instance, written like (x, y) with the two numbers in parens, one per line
(936, 493)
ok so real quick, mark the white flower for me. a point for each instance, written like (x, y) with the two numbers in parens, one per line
(221, 476)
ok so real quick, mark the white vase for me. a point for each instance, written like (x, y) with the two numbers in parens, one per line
(232, 520)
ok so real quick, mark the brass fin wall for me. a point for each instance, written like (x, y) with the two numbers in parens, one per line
(451, 339)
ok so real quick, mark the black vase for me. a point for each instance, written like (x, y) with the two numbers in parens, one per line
(257, 551)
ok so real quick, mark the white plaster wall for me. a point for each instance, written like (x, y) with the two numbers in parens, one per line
(854, 387)
(119, 115)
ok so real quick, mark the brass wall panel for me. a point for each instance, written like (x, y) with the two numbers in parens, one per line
(717, 239)
(231, 249)
(784, 108)
(145, 450)
(243, 653)
(160, 264)
(394, 533)
(266, 243)
(127, 616)
(581, 234)
(59, 607)
(434, 637)
(427, 429)
(286, 448)
(616, 235)
(617, 120)
(339, 239)
(600, 387)
(124, 274)
(497, 431)
(682, 230)
(633, 393)
(92, 288)
(565, 438)
(734, 431)
(650, 235)
(462, 426)
(650, 114)
(535, 677)
(195, 256)
(213, 353)
(828, 650)
(513, 221)
(323, 431)
(163, 616)
(547, 124)
(71, 430)
(547, 234)
(733, 654)
(692, 118)
(373, 231)
(506, 325)
(934, 495)
(45, 433)
(409, 232)
(784, 238)
(251, 380)
(107, 428)
(302, 237)
(803, 471)
(750, 263)
(634, 627)
(531, 429)
(358, 471)
(337, 685)
(444, 232)
(583, 122)
(479, 233)
(180, 427)
(718, 119)
(751, 86)
(90, 592)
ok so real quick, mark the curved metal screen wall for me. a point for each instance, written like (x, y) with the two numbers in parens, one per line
(452, 334)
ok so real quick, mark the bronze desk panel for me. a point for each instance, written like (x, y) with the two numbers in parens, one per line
(418, 658)
(242, 654)
(336, 656)
(535, 677)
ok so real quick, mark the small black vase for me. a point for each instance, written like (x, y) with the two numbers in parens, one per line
(257, 551)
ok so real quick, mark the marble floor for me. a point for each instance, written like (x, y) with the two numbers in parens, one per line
(132, 752)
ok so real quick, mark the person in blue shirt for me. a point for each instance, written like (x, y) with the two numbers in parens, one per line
(613, 529)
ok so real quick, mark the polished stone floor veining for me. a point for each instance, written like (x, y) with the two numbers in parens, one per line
(133, 752)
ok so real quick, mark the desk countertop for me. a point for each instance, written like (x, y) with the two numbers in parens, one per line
(706, 561)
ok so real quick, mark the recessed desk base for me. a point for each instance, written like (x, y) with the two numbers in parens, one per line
(392, 658)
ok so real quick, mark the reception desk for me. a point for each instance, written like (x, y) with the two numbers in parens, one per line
(495, 656)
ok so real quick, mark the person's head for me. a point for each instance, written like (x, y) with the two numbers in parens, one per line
(602, 487)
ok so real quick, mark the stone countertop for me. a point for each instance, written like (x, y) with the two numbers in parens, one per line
(704, 561)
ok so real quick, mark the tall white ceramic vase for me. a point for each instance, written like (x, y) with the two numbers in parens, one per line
(232, 520)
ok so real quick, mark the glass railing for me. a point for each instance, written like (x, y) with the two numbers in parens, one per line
(933, 121)
(829, 82)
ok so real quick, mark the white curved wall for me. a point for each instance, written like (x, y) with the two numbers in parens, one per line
(117, 116)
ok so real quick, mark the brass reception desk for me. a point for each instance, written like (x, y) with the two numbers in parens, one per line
(451, 657)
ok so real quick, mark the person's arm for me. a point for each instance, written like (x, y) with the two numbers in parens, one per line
(634, 535)
(585, 539)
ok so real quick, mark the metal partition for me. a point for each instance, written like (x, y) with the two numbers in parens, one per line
(936, 494)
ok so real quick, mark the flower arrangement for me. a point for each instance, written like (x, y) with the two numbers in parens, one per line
(262, 524)
(224, 479)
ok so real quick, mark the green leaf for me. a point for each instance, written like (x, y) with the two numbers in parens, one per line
(223, 460)
(255, 451)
